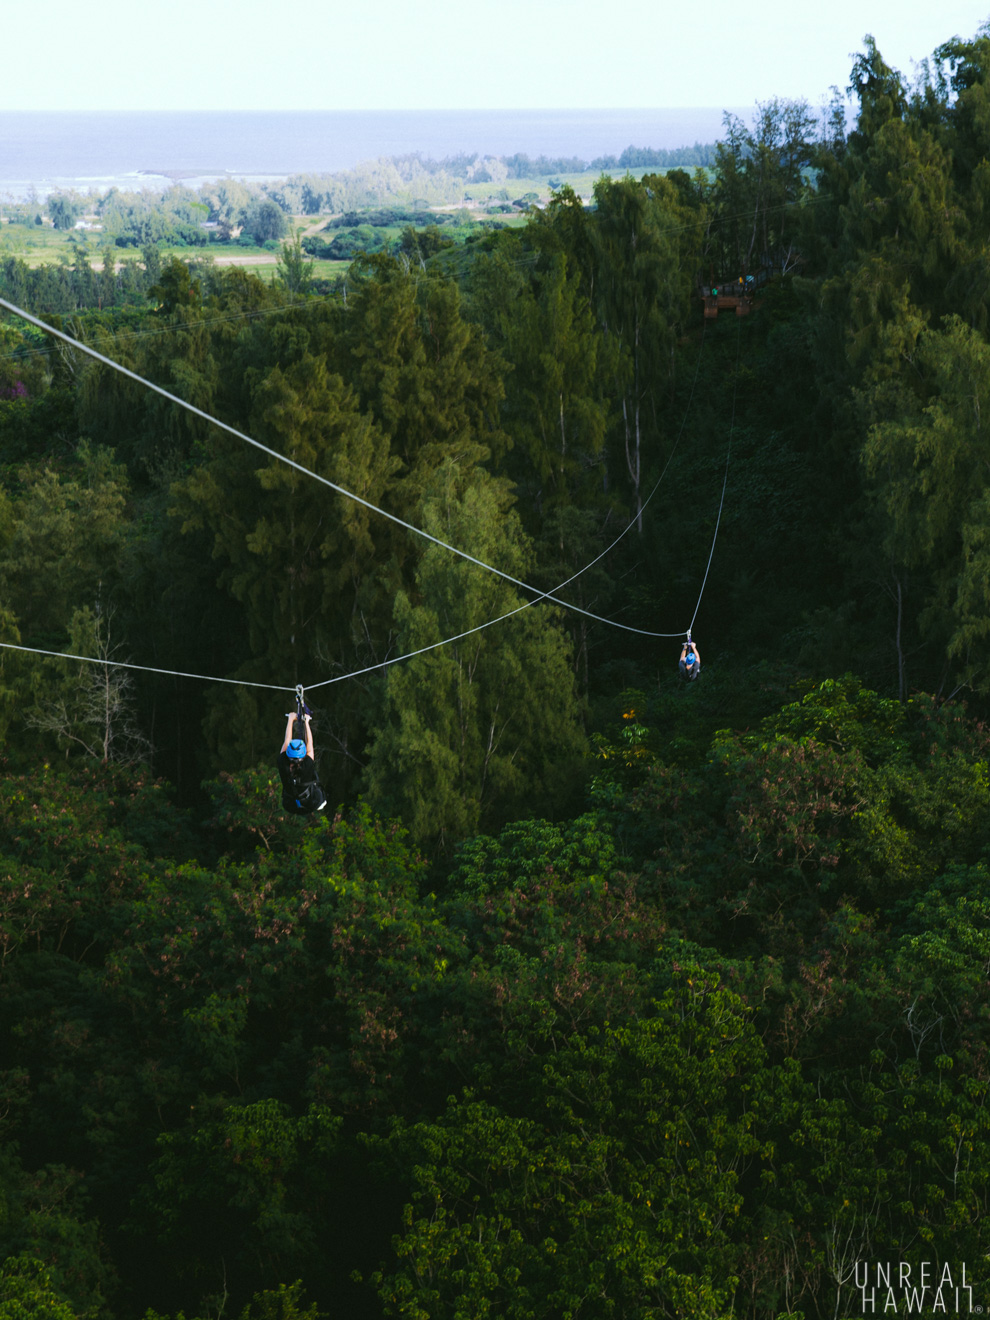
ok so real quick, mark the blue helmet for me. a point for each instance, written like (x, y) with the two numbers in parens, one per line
(296, 749)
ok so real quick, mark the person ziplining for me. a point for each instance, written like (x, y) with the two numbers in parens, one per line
(690, 661)
(302, 792)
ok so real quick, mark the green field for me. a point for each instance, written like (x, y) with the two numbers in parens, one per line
(38, 245)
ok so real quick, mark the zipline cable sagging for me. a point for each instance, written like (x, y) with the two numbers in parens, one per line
(120, 664)
(408, 655)
(148, 669)
(433, 646)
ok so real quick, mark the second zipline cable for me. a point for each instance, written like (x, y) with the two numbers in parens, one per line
(540, 596)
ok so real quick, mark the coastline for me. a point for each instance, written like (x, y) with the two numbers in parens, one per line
(46, 152)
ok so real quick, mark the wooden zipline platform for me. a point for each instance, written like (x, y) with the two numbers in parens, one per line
(737, 296)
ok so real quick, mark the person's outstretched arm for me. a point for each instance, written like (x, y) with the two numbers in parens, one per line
(288, 730)
(309, 739)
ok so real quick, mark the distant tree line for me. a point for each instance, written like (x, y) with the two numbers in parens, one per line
(389, 216)
(635, 158)
(176, 214)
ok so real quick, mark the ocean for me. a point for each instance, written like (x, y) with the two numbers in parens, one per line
(42, 152)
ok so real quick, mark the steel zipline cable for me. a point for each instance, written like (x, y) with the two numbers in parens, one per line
(147, 669)
(394, 660)
(538, 597)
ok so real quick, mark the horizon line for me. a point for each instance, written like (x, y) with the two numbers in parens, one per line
(372, 110)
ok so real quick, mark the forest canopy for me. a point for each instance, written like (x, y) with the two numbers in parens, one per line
(593, 992)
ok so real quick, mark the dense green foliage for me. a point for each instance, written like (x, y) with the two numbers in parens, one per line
(599, 994)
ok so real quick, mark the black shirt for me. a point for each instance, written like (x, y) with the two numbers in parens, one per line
(301, 790)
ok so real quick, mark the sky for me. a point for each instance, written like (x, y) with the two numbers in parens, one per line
(487, 54)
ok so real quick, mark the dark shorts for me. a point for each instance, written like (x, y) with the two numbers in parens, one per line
(303, 797)
(313, 802)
